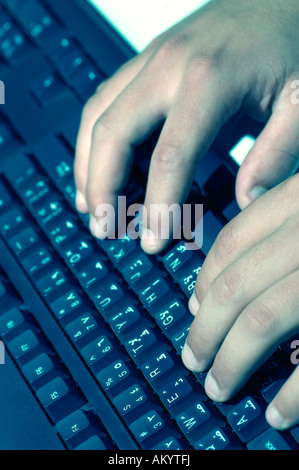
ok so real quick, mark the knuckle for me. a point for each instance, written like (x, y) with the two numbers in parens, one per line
(228, 286)
(103, 127)
(168, 48)
(260, 320)
(167, 156)
(226, 242)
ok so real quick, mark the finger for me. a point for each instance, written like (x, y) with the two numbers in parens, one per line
(130, 119)
(283, 411)
(252, 225)
(269, 320)
(96, 105)
(201, 106)
(236, 287)
(275, 155)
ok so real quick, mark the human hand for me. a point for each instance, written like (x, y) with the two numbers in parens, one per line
(227, 56)
(246, 300)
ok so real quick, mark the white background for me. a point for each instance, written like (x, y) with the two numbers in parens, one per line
(140, 21)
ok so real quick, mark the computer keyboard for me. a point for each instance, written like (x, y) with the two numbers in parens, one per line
(96, 327)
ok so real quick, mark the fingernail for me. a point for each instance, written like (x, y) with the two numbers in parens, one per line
(256, 192)
(275, 418)
(149, 241)
(193, 304)
(81, 202)
(212, 388)
(190, 360)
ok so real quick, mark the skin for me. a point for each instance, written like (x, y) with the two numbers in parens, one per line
(228, 56)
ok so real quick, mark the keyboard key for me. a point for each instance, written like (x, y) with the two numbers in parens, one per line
(26, 239)
(97, 350)
(218, 439)
(38, 367)
(77, 251)
(113, 375)
(179, 339)
(171, 316)
(107, 294)
(124, 319)
(36, 20)
(157, 366)
(137, 268)
(48, 209)
(14, 45)
(92, 273)
(130, 399)
(270, 440)
(151, 295)
(140, 341)
(23, 344)
(248, 419)
(81, 327)
(177, 257)
(55, 159)
(10, 321)
(34, 189)
(171, 443)
(194, 416)
(175, 390)
(59, 398)
(47, 88)
(51, 282)
(119, 249)
(86, 80)
(11, 220)
(66, 304)
(147, 425)
(188, 276)
(62, 229)
(37, 261)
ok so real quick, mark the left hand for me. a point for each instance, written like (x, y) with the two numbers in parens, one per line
(246, 300)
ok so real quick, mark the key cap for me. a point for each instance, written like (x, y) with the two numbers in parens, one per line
(177, 257)
(218, 439)
(34, 189)
(97, 350)
(12, 220)
(91, 274)
(171, 316)
(124, 319)
(194, 416)
(107, 294)
(24, 344)
(81, 327)
(175, 390)
(47, 88)
(113, 375)
(149, 424)
(270, 440)
(86, 80)
(62, 229)
(119, 249)
(179, 339)
(26, 239)
(10, 321)
(130, 399)
(78, 426)
(48, 209)
(140, 341)
(66, 304)
(137, 268)
(171, 443)
(36, 262)
(59, 398)
(187, 276)
(152, 294)
(248, 419)
(38, 367)
(157, 366)
(51, 282)
(77, 252)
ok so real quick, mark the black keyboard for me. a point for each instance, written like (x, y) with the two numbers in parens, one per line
(95, 327)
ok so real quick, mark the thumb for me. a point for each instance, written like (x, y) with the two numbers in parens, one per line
(275, 155)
